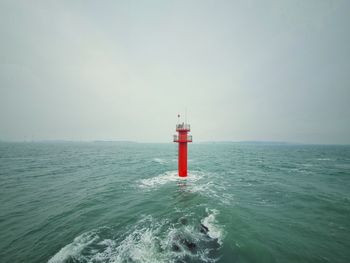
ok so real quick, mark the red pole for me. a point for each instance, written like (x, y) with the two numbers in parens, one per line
(183, 159)
(182, 139)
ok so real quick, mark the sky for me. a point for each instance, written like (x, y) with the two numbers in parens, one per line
(123, 70)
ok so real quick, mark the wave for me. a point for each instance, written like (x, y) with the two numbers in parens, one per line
(169, 176)
(74, 249)
(196, 182)
(213, 191)
(161, 179)
(215, 231)
(159, 160)
(149, 240)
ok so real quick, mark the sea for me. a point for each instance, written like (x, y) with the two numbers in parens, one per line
(123, 202)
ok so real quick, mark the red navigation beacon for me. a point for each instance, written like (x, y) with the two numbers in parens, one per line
(182, 139)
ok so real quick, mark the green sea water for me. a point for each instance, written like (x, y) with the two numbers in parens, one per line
(123, 202)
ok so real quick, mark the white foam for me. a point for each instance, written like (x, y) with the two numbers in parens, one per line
(212, 190)
(147, 244)
(215, 190)
(73, 250)
(161, 179)
(214, 229)
(148, 241)
(139, 246)
(169, 176)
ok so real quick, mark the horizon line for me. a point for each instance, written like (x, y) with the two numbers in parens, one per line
(159, 142)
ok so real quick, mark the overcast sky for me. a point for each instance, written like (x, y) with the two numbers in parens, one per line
(123, 70)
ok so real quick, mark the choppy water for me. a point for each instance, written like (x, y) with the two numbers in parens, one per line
(123, 202)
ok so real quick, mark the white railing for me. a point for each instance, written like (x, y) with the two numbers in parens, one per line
(183, 138)
(183, 126)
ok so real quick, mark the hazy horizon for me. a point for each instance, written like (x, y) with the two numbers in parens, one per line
(123, 70)
(171, 142)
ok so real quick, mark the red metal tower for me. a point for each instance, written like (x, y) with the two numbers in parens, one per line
(182, 139)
